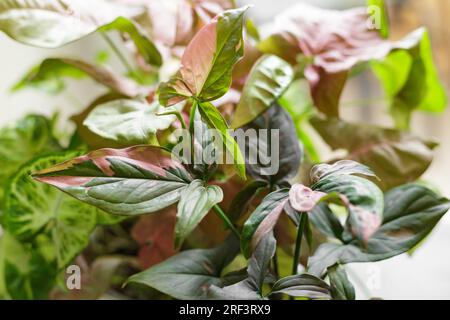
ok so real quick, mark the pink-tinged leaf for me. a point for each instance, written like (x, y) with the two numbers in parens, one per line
(208, 61)
(263, 220)
(155, 234)
(333, 42)
(365, 223)
(132, 181)
(303, 199)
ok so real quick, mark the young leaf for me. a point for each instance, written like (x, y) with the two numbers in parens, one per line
(378, 7)
(278, 157)
(411, 212)
(341, 287)
(32, 207)
(268, 80)
(208, 60)
(263, 220)
(302, 286)
(411, 81)
(215, 120)
(143, 44)
(195, 202)
(22, 141)
(394, 156)
(128, 121)
(48, 77)
(54, 23)
(133, 181)
(188, 275)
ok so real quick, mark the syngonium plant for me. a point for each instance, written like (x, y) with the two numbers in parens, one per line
(145, 223)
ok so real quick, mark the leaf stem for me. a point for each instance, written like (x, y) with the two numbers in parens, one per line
(226, 220)
(298, 243)
(119, 54)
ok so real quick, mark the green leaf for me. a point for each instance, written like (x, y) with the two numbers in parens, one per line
(143, 44)
(128, 121)
(215, 120)
(258, 268)
(133, 181)
(25, 270)
(278, 156)
(411, 212)
(395, 157)
(32, 208)
(54, 23)
(195, 202)
(21, 141)
(341, 287)
(189, 274)
(268, 80)
(48, 76)
(263, 220)
(208, 60)
(379, 7)
(411, 81)
(326, 221)
(302, 286)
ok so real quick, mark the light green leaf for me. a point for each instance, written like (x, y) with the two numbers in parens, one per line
(32, 208)
(215, 120)
(378, 7)
(22, 141)
(189, 274)
(411, 81)
(128, 121)
(268, 80)
(54, 23)
(143, 44)
(195, 202)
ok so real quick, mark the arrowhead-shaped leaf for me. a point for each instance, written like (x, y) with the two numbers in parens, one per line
(207, 63)
(268, 80)
(195, 202)
(133, 181)
(411, 212)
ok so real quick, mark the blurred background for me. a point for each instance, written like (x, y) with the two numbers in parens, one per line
(423, 275)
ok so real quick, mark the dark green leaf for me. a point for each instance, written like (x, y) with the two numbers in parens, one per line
(188, 275)
(302, 286)
(240, 203)
(341, 287)
(326, 221)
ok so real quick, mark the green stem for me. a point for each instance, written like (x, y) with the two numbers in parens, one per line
(119, 54)
(227, 221)
(298, 243)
